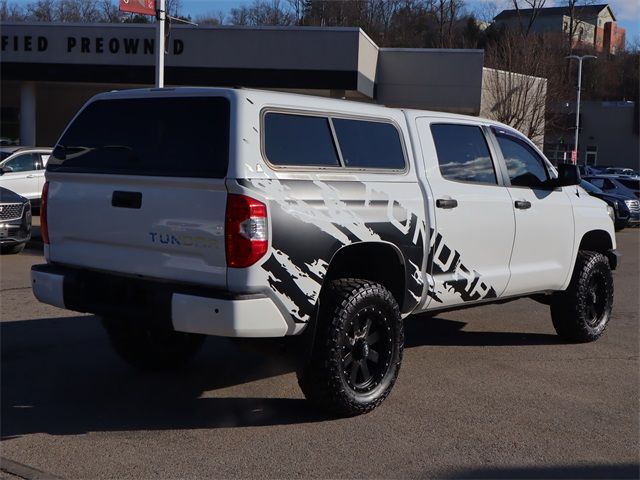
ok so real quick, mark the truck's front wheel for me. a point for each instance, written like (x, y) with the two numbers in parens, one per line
(357, 349)
(148, 347)
(581, 313)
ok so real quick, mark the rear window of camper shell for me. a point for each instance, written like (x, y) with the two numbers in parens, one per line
(168, 136)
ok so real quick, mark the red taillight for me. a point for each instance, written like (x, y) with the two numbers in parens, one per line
(245, 231)
(44, 224)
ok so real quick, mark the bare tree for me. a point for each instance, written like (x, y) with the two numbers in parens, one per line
(381, 13)
(298, 8)
(87, 10)
(239, 16)
(516, 84)
(577, 19)
(487, 11)
(216, 18)
(11, 12)
(110, 12)
(262, 12)
(408, 26)
(174, 8)
(42, 10)
(534, 7)
(272, 13)
(447, 13)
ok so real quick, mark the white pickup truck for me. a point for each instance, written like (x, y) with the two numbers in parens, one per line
(179, 213)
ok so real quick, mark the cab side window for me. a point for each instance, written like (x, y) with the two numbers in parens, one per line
(525, 167)
(463, 154)
(299, 140)
(23, 163)
(367, 144)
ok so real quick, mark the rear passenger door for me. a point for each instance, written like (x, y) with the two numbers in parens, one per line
(544, 241)
(474, 222)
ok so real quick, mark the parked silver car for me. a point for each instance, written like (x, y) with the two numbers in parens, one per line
(22, 171)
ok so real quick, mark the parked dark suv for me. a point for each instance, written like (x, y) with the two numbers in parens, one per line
(15, 221)
(617, 202)
(625, 188)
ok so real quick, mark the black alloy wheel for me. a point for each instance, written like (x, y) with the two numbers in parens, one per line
(596, 299)
(366, 349)
(582, 312)
(357, 350)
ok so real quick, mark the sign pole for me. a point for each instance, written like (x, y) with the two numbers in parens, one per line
(575, 140)
(161, 15)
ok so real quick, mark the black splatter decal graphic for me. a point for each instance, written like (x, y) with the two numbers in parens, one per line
(306, 233)
(447, 262)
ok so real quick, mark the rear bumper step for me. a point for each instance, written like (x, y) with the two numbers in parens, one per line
(179, 307)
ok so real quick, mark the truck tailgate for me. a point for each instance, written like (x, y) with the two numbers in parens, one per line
(158, 227)
(136, 186)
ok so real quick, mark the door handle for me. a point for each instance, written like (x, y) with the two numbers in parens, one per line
(30, 176)
(126, 199)
(446, 203)
(522, 204)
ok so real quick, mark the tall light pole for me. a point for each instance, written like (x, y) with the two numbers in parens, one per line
(580, 59)
(161, 15)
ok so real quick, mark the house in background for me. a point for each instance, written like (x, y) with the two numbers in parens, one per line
(594, 26)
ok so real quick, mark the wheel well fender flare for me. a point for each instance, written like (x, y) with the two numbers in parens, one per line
(599, 241)
(388, 268)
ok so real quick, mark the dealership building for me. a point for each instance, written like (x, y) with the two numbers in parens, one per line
(49, 70)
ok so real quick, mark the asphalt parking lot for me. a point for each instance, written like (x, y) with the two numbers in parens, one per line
(488, 392)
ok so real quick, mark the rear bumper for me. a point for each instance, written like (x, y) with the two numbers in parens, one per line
(179, 307)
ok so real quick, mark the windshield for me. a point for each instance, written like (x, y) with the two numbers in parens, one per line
(176, 136)
(590, 187)
(629, 183)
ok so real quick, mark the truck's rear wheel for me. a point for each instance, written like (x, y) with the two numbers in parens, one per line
(151, 348)
(581, 313)
(357, 349)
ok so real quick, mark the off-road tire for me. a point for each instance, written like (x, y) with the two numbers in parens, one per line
(12, 249)
(150, 348)
(581, 313)
(354, 312)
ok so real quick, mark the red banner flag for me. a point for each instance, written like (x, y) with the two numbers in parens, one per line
(143, 7)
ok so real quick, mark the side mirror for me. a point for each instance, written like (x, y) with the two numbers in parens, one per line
(568, 174)
(5, 169)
